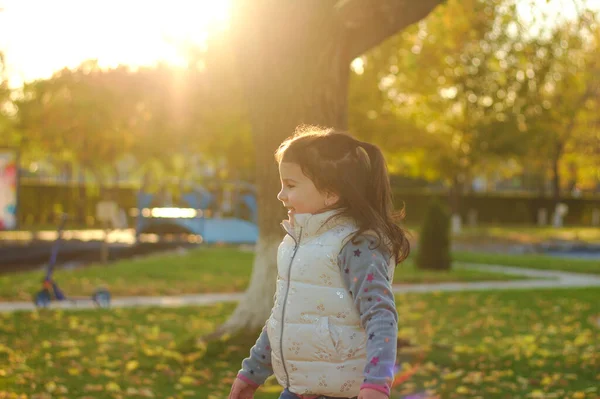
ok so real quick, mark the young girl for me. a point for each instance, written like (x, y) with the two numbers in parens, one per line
(332, 331)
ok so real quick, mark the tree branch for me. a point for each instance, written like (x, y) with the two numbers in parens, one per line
(369, 22)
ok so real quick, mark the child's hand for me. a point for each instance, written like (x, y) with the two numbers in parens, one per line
(367, 393)
(241, 390)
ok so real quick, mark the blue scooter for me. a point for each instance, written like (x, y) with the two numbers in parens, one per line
(50, 289)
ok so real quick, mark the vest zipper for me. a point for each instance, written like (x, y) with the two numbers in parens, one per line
(287, 291)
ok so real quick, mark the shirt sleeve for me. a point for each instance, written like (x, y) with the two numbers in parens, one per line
(364, 270)
(257, 368)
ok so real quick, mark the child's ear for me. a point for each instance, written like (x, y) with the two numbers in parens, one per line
(331, 198)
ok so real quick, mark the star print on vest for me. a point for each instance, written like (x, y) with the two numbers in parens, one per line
(357, 253)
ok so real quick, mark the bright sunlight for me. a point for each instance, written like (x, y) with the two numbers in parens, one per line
(39, 37)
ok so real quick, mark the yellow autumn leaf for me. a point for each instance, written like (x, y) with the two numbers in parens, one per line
(50, 386)
(187, 380)
(113, 387)
(102, 338)
(146, 393)
(529, 339)
(582, 339)
(537, 394)
(93, 388)
(460, 348)
(73, 323)
(225, 337)
(270, 389)
(111, 374)
(173, 355)
(544, 353)
(62, 389)
(74, 371)
(431, 367)
(462, 390)
(149, 351)
(546, 381)
(132, 365)
(452, 375)
(579, 395)
(192, 357)
(429, 384)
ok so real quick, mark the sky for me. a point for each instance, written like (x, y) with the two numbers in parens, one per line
(39, 37)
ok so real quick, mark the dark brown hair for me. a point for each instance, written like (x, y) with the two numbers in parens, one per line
(356, 172)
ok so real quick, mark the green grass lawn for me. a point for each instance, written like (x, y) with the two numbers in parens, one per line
(198, 271)
(531, 261)
(524, 344)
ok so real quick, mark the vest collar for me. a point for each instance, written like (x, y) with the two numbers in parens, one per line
(307, 225)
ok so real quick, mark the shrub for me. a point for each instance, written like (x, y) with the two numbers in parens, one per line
(434, 241)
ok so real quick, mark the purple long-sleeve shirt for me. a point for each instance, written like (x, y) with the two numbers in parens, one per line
(364, 270)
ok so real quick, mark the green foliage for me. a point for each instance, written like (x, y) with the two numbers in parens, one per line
(447, 78)
(79, 116)
(434, 239)
(476, 89)
(167, 118)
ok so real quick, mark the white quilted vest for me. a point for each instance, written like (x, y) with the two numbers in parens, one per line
(318, 344)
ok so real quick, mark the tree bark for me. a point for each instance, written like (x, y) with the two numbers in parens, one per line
(556, 173)
(81, 198)
(294, 58)
(369, 22)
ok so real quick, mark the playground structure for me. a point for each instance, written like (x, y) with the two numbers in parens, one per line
(227, 214)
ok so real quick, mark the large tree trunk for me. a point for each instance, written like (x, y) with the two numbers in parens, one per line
(294, 58)
(295, 71)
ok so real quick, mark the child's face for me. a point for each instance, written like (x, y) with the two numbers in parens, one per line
(298, 193)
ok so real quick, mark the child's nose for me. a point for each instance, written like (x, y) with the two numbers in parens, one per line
(280, 196)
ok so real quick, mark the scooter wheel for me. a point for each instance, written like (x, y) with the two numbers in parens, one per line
(102, 298)
(42, 299)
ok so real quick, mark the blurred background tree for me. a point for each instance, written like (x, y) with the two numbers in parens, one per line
(9, 136)
(474, 89)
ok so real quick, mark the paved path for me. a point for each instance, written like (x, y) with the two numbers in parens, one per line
(537, 279)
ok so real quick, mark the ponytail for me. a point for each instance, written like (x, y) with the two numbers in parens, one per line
(379, 196)
(379, 190)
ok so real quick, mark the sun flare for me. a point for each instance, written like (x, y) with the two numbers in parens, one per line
(40, 37)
